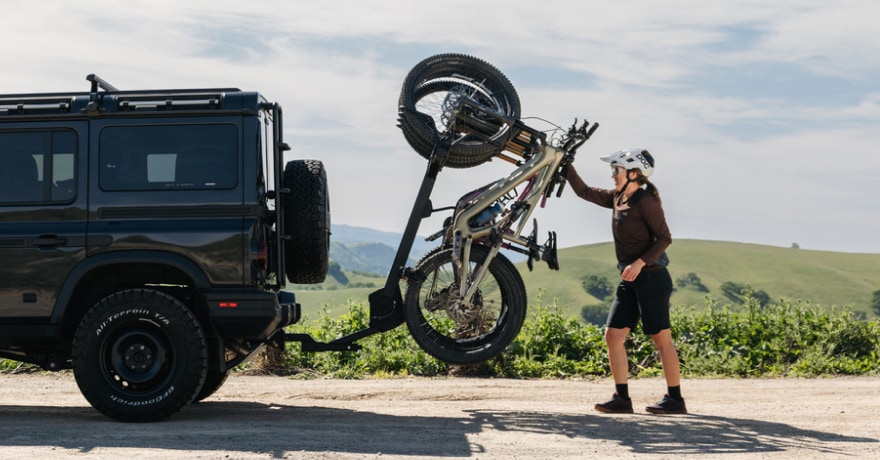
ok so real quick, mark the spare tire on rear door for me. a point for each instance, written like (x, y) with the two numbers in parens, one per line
(307, 222)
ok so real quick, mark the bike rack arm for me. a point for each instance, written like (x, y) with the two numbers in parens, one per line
(386, 304)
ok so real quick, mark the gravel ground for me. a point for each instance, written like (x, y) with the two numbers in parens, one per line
(44, 416)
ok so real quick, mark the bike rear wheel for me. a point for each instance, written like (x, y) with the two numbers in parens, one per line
(457, 333)
(429, 99)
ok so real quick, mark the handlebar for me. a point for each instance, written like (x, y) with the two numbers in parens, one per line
(575, 137)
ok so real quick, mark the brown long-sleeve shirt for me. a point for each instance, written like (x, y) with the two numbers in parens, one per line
(638, 225)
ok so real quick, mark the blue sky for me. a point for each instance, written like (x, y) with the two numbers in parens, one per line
(763, 116)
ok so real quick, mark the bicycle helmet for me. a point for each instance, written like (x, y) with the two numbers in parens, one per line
(628, 159)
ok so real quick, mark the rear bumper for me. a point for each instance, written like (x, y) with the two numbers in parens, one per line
(250, 313)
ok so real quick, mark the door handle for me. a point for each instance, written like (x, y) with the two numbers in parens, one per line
(48, 240)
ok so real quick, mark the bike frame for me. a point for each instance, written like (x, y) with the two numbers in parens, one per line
(506, 231)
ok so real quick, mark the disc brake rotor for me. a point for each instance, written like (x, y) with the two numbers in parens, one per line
(448, 300)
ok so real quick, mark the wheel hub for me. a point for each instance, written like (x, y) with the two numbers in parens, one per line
(138, 357)
(449, 300)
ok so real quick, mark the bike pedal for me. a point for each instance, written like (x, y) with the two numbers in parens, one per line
(550, 253)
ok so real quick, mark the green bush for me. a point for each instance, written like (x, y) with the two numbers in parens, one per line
(782, 339)
(597, 286)
(691, 281)
(551, 345)
(390, 353)
(595, 314)
(786, 338)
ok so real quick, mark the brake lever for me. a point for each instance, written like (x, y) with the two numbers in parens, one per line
(561, 188)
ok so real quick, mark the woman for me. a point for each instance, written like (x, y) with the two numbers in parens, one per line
(641, 237)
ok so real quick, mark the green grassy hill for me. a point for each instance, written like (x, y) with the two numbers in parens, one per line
(334, 296)
(823, 278)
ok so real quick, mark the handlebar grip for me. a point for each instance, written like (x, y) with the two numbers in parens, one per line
(561, 178)
(592, 130)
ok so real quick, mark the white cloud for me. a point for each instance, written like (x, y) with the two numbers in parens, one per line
(744, 153)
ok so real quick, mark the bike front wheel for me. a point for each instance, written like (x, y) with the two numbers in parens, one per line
(453, 331)
(430, 99)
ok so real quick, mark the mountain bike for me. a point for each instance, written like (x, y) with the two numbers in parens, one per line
(465, 301)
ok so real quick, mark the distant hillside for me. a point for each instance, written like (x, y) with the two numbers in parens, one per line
(824, 278)
(821, 277)
(368, 250)
(364, 257)
(347, 234)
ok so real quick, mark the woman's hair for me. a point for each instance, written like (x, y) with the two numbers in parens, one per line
(649, 187)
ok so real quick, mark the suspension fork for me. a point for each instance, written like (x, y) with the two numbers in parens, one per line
(469, 281)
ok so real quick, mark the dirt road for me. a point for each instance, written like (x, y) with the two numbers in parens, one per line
(44, 416)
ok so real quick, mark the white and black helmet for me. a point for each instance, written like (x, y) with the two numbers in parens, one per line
(628, 159)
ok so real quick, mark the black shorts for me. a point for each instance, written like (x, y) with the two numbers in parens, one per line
(647, 298)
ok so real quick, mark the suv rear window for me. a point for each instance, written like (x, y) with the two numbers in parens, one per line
(172, 157)
(37, 166)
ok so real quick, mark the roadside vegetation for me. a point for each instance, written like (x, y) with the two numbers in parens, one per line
(731, 318)
(785, 338)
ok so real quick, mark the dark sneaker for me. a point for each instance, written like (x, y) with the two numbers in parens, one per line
(616, 405)
(668, 405)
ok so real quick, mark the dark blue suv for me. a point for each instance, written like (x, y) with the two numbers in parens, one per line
(146, 237)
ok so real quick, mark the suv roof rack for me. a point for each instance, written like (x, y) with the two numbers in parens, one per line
(104, 96)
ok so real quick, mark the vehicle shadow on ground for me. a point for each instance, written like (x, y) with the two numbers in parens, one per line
(247, 427)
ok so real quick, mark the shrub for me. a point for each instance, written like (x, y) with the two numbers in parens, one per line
(595, 314)
(597, 286)
(691, 281)
(782, 339)
(787, 338)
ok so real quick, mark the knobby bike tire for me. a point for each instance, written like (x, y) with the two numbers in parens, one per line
(459, 335)
(456, 75)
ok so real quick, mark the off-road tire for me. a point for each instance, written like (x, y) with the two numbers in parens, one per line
(213, 381)
(307, 222)
(139, 355)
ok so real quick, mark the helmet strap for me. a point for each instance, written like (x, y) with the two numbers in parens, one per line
(619, 195)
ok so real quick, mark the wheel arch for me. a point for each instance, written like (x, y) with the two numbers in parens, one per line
(99, 276)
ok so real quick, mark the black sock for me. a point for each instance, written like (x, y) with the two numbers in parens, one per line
(675, 392)
(622, 390)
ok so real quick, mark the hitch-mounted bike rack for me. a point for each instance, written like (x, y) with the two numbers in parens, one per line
(386, 304)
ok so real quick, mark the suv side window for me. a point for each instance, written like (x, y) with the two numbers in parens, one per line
(37, 166)
(171, 157)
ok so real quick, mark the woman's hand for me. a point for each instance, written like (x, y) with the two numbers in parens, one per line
(631, 272)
